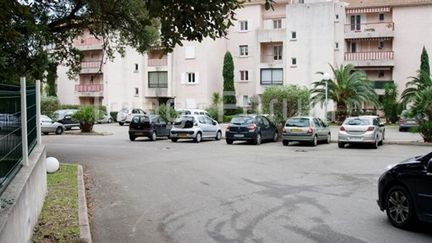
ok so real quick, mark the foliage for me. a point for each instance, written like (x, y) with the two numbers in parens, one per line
(77, 107)
(425, 129)
(349, 90)
(391, 106)
(254, 104)
(216, 99)
(49, 105)
(28, 27)
(214, 113)
(87, 116)
(58, 221)
(51, 79)
(166, 113)
(424, 62)
(113, 114)
(282, 102)
(229, 98)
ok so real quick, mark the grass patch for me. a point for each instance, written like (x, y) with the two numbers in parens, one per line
(58, 221)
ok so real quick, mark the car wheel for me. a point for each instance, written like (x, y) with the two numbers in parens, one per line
(174, 140)
(229, 141)
(198, 138)
(121, 123)
(285, 142)
(153, 136)
(328, 140)
(275, 137)
(341, 145)
(110, 120)
(218, 135)
(258, 139)
(46, 133)
(399, 207)
(314, 141)
(59, 130)
(132, 138)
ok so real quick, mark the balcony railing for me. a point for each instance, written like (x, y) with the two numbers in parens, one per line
(156, 62)
(369, 56)
(88, 87)
(88, 42)
(91, 64)
(380, 84)
(370, 27)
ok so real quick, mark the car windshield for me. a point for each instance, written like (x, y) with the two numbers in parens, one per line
(242, 120)
(184, 122)
(357, 122)
(298, 122)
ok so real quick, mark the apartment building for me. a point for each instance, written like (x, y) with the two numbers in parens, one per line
(287, 45)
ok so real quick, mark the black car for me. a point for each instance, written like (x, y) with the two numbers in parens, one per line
(253, 128)
(150, 126)
(405, 191)
(65, 117)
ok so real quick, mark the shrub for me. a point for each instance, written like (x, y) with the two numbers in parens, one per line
(390, 104)
(254, 104)
(113, 114)
(70, 106)
(425, 129)
(214, 113)
(166, 113)
(49, 105)
(87, 116)
(282, 102)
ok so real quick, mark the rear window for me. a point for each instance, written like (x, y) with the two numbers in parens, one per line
(298, 122)
(242, 120)
(357, 122)
(184, 122)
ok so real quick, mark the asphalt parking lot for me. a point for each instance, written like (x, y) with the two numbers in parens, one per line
(213, 192)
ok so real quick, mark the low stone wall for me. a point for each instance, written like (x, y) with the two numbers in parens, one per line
(23, 199)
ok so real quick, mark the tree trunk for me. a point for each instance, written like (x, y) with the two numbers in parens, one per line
(86, 127)
(341, 112)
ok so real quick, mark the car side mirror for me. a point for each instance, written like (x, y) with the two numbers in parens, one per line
(214, 123)
(381, 124)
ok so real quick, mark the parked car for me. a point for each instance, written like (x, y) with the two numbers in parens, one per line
(9, 123)
(106, 118)
(196, 127)
(125, 115)
(406, 122)
(150, 126)
(361, 129)
(50, 126)
(305, 129)
(65, 117)
(253, 128)
(405, 191)
(185, 112)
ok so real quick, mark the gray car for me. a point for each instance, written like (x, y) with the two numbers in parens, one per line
(125, 115)
(50, 126)
(196, 127)
(305, 129)
(361, 130)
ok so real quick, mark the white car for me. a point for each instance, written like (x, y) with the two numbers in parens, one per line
(50, 126)
(196, 127)
(186, 112)
(361, 129)
(125, 115)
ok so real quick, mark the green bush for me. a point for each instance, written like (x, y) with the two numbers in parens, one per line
(282, 102)
(87, 116)
(113, 114)
(254, 104)
(166, 113)
(69, 106)
(214, 113)
(227, 118)
(49, 105)
(425, 129)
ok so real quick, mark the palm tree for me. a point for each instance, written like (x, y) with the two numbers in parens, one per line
(349, 89)
(417, 84)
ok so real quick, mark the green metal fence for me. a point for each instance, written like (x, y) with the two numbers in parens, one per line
(10, 130)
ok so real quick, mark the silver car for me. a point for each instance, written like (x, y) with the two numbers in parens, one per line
(361, 129)
(125, 115)
(305, 129)
(106, 118)
(50, 126)
(196, 127)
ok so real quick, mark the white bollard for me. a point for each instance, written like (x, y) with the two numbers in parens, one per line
(52, 164)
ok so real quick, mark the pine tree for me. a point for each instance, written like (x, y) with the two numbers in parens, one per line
(424, 63)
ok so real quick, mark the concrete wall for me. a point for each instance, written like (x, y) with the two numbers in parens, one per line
(26, 193)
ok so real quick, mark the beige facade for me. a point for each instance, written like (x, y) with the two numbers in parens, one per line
(287, 45)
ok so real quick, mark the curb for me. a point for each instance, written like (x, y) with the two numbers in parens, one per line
(89, 134)
(409, 143)
(83, 221)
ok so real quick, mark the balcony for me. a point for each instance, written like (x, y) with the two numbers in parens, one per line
(89, 67)
(369, 30)
(88, 44)
(271, 35)
(157, 62)
(89, 90)
(371, 58)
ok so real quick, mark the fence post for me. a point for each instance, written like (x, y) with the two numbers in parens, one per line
(38, 113)
(24, 140)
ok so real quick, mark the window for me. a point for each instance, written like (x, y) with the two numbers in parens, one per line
(243, 25)
(136, 91)
(381, 74)
(355, 22)
(245, 100)
(381, 45)
(271, 76)
(190, 52)
(293, 35)
(136, 67)
(158, 79)
(190, 78)
(337, 45)
(294, 61)
(244, 50)
(353, 47)
(91, 79)
(337, 16)
(381, 17)
(277, 52)
(277, 24)
(244, 75)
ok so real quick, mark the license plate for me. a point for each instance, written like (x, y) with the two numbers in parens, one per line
(238, 135)
(296, 130)
(183, 135)
(355, 138)
(139, 134)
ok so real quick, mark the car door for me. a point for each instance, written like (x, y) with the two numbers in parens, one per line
(211, 126)
(268, 128)
(67, 119)
(318, 128)
(163, 127)
(376, 124)
(46, 125)
(424, 191)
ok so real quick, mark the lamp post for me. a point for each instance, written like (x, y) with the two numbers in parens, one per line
(326, 78)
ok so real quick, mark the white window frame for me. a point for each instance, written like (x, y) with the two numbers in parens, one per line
(191, 78)
(277, 23)
(243, 25)
(277, 52)
(244, 50)
(244, 75)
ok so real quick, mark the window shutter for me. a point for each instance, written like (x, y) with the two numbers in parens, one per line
(197, 80)
(183, 78)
